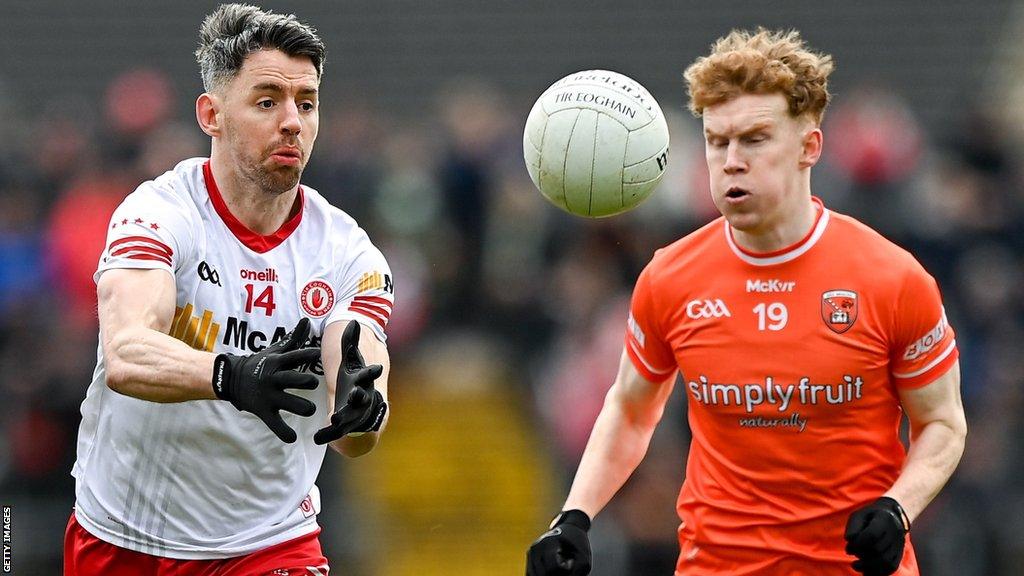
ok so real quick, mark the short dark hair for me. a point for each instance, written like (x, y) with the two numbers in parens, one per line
(234, 31)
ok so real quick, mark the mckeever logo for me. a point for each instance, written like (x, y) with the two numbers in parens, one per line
(773, 285)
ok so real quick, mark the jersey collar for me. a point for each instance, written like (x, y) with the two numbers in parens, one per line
(788, 253)
(259, 243)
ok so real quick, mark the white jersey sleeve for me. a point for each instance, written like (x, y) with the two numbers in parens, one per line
(365, 287)
(150, 229)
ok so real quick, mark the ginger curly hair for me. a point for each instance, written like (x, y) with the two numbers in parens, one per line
(762, 62)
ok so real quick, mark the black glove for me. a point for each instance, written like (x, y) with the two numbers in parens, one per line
(364, 407)
(564, 550)
(876, 534)
(256, 383)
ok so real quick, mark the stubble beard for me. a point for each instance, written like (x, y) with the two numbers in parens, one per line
(272, 181)
(256, 171)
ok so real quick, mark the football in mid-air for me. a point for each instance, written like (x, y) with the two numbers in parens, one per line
(596, 143)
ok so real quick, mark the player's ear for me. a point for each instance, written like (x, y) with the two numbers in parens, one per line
(208, 113)
(812, 144)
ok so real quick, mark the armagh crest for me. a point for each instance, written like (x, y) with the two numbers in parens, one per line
(839, 309)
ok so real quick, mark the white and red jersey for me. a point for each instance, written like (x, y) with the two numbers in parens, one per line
(199, 479)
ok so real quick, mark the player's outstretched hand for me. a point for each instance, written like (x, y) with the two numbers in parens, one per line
(364, 407)
(256, 383)
(876, 534)
(564, 550)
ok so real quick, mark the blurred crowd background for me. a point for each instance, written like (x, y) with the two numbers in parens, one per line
(510, 314)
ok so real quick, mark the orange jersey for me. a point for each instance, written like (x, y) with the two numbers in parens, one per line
(791, 362)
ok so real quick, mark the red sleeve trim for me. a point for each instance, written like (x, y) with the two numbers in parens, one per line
(134, 251)
(149, 257)
(143, 240)
(378, 315)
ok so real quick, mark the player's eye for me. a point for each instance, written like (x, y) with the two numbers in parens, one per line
(755, 138)
(307, 106)
(266, 104)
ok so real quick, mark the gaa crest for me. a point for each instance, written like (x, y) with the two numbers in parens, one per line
(839, 309)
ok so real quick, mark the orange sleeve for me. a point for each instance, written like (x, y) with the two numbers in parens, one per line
(924, 346)
(646, 347)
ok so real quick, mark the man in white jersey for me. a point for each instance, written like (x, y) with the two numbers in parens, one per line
(206, 269)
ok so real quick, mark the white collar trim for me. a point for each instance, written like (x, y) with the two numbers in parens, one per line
(793, 254)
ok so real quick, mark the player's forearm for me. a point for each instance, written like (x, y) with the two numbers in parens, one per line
(933, 456)
(148, 365)
(356, 446)
(616, 447)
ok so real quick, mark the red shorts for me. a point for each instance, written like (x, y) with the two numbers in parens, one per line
(87, 555)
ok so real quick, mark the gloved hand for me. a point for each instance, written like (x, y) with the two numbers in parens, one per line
(256, 383)
(876, 534)
(564, 550)
(364, 407)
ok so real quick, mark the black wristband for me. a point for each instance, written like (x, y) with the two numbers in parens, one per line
(221, 379)
(900, 512)
(577, 518)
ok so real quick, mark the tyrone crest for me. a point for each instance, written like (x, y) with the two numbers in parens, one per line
(317, 298)
(839, 309)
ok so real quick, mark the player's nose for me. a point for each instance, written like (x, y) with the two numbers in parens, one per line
(734, 161)
(290, 119)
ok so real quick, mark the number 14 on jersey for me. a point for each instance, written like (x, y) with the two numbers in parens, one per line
(265, 300)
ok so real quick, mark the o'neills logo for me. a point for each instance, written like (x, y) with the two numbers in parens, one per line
(317, 298)
(268, 275)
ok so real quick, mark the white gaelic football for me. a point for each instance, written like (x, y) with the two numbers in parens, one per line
(596, 143)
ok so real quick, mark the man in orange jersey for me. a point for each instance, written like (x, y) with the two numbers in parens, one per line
(801, 335)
